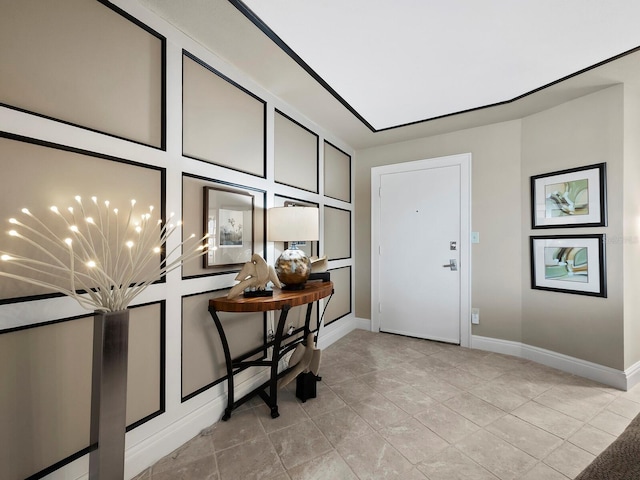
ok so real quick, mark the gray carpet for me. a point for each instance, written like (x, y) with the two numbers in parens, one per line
(620, 461)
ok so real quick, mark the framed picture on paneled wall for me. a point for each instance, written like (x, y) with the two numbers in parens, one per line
(233, 214)
(228, 223)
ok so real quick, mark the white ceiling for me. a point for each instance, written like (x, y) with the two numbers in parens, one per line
(361, 68)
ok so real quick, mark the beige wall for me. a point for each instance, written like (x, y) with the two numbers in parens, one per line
(631, 238)
(585, 131)
(496, 215)
(581, 132)
(49, 162)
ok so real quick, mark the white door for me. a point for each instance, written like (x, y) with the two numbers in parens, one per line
(420, 236)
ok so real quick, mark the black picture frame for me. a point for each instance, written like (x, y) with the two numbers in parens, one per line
(569, 264)
(228, 224)
(576, 197)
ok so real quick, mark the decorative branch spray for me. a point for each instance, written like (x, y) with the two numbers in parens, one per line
(104, 256)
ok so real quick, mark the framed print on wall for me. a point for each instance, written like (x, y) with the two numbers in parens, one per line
(570, 198)
(569, 264)
(228, 224)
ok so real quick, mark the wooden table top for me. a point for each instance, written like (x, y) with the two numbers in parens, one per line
(312, 291)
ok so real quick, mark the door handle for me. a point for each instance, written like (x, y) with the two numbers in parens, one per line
(453, 265)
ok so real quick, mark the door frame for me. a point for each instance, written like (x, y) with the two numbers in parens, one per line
(464, 162)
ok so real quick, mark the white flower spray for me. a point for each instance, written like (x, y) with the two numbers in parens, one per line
(107, 260)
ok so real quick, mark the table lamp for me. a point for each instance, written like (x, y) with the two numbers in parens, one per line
(293, 224)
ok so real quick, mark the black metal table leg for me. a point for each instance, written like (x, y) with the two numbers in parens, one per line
(228, 363)
(275, 360)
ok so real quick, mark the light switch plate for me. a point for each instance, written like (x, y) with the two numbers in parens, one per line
(475, 237)
(475, 316)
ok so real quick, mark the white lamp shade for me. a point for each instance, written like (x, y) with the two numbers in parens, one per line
(293, 224)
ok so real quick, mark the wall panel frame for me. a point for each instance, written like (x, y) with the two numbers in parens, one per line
(111, 82)
(337, 233)
(56, 174)
(340, 304)
(223, 122)
(337, 173)
(295, 154)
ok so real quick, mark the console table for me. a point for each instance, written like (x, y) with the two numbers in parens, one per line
(282, 300)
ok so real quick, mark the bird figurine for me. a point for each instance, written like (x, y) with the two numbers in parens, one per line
(255, 275)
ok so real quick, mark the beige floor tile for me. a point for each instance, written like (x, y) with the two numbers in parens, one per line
(475, 409)
(201, 469)
(543, 472)
(290, 409)
(429, 396)
(353, 391)
(426, 347)
(499, 395)
(625, 407)
(413, 440)
(382, 381)
(482, 370)
(371, 458)
(327, 466)
(569, 459)
(409, 399)
(326, 400)
(530, 439)
(431, 364)
(252, 460)
(299, 443)
(592, 439)
(379, 412)
(633, 394)
(576, 401)
(548, 419)
(610, 422)
(334, 373)
(435, 387)
(241, 427)
(446, 423)
(342, 425)
(195, 449)
(505, 362)
(499, 457)
(144, 475)
(460, 379)
(518, 383)
(451, 464)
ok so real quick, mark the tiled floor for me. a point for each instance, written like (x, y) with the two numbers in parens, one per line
(391, 407)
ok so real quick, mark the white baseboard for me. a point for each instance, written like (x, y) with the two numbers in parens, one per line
(633, 375)
(622, 380)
